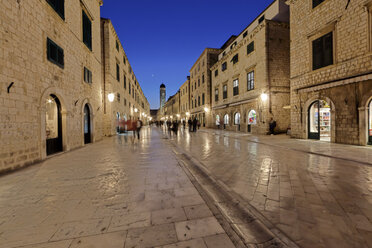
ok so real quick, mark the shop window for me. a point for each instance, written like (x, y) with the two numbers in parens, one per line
(58, 6)
(252, 117)
(87, 31)
(55, 53)
(224, 91)
(317, 2)
(250, 47)
(319, 120)
(87, 76)
(224, 66)
(216, 95)
(323, 51)
(118, 72)
(235, 59)
(236, 87)
(237, 119)
(250, 80)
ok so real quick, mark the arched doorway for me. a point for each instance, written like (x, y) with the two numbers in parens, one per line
(252, 120)
(370, 123)
(319, 121)
(53, 125)
(225, 121)
(237, 120)
(87, 126)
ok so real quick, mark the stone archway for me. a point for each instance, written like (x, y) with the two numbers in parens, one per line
(84, 107)
(48, 95)
(307, 117)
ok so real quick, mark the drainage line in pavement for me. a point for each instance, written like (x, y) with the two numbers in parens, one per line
(238, 220)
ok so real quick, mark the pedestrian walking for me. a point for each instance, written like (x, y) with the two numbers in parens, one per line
(272, 125)
(184, 124)
(189, 122)
(194, 124)
(139, 126)
(218, 123)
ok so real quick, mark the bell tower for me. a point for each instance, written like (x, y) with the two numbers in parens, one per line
(162, 95)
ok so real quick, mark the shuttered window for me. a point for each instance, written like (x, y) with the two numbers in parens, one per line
(323, 51)
(58, 6)
(250, 47)
(55, 53)
(87, 31)
(87, 76)
(236, 87)
(250, 80)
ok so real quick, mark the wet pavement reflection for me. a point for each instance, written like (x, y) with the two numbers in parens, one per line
(316, 200)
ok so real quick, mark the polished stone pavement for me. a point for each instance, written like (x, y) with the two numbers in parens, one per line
(112, 194)
(317, 193)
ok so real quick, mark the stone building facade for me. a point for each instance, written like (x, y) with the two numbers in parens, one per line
(50, 72)
(120, 82)
(200, 83)
(185, 100)
(331, 70)
(171, 110)
(250, 81)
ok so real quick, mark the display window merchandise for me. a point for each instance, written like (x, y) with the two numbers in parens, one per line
(319, 121)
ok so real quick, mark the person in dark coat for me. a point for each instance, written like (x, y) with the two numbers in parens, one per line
(194, 124)
(272, 125)
(189, 122)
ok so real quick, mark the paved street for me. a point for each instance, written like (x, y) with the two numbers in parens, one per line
(111, 194)
(316, 200)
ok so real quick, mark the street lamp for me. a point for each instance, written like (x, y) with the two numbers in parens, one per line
(206, 110)
(264, 97)
(187, 113)
(111, 97)
(135, 110)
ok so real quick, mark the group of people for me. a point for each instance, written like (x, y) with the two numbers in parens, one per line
(131, 125)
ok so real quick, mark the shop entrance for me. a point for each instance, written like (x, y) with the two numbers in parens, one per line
(319, 121)
(87, 129)
(53, 125)
(370, 123)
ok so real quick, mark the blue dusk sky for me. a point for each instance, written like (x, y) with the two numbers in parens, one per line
(164, 38)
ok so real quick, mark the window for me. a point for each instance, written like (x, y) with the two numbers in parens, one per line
(198, 82)
(216, 73)
(224, 92)
(235, 59)
(236, 87)
(129, 89)
(125, 102)
(195, 86)
(226, 119)
(198, 100)
(118, 97)
(133, 91)
(233, 45)
(224, 66)
(317, 2)
(216, 95)
(129, 105)
(250, 47)
(252, 117)
(58, 6)
(192, 104)
(87, 31)
(262, 18)
(125, 82)
(124, 61)
(223, 54)
(245, 34)
(87, 76)
(323, 51)
(117, 72)
(117, 46)
(203, 79)
(55, 53)
(237, 119)
(203, 99)
(250, 80)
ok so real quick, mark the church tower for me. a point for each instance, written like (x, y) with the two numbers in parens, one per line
(162, 95)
